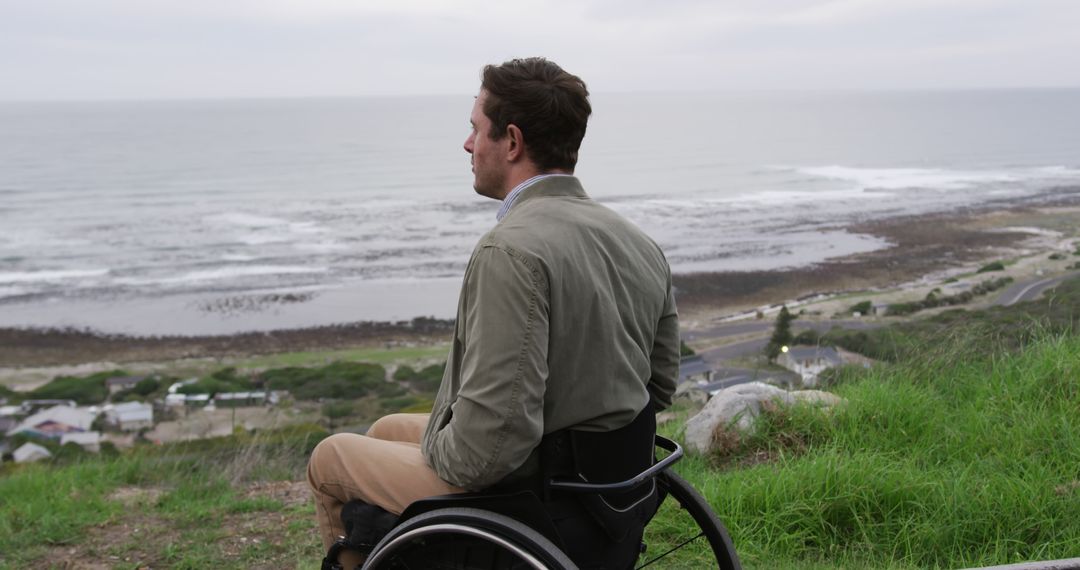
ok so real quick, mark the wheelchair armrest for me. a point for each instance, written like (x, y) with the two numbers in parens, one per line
(578, 487)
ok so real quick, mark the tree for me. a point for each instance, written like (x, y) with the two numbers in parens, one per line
(335, 410)
(781, 335)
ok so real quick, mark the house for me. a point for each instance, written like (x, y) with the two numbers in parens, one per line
(239, 399)
(880, 309)
(31, 406)
(88, 440)
(120, 383)
(28, 452)
(53, 422)
(9, 417)
(693, 369)
(130, 416)
(809, 361)
(7, 423)
(701, 390)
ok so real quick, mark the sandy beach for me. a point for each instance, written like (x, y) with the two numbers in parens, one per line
(921, 246)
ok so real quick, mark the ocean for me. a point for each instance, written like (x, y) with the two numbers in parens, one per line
(213, 217)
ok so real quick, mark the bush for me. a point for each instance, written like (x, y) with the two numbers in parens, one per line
(400, 403)
(224, 380)
(685, 350)
(339, 380)
(1057, 256)
(995, 266)
(404, 373)
(809, 337)
(425, 380)
(84, 390)
(862, 308)
(9, 395)
(932, 300)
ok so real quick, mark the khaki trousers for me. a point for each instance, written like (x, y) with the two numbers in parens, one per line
(383, 468)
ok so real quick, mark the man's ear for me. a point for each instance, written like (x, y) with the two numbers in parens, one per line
(516, 149)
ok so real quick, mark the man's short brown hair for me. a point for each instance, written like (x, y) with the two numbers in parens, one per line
(549, 105)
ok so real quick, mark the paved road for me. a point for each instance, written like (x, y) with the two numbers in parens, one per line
(749, 327)
(1030, 290)
(756, 345)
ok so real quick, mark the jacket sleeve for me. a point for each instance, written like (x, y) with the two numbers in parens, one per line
(497, 416)
(664, 358)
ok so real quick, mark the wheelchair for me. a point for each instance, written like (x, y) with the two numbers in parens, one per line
(563, 521)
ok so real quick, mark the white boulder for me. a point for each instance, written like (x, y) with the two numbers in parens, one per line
(737, 407)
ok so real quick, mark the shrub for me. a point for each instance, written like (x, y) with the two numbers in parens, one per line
(404, 373)
(807, 337)
(425, 380)
(84, 390)
(862, 308)
(400, 403)
(340, 380)
(995, 266)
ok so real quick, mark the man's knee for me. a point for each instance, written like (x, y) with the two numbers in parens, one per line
(326, 455)
(398, 427)
(382, 428)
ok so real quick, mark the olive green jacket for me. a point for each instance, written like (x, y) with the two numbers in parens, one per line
(566, 320)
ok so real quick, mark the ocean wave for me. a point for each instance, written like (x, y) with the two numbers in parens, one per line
(904, 178)
(936, 178)
(230, 272)
(247, 220)
(13, 291)
(48, 276)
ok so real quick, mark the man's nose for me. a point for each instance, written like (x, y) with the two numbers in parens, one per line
(469, 144)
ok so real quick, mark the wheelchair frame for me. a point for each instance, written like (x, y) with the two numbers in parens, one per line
(506, 531)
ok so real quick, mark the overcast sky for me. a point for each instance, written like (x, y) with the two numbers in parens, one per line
(135, 49)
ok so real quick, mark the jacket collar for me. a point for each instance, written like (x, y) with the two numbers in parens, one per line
(555, 186)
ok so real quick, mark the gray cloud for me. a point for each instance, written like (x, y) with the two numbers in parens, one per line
(70, 49)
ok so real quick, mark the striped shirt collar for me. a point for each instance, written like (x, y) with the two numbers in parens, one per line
(508, 202)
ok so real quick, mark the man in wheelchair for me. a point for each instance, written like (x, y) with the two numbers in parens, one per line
(566, 344)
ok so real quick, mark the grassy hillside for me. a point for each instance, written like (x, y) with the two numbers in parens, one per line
(223, 503)
(940, 462)
(956, 458)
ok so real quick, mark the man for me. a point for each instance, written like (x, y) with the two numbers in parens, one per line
(566, 317)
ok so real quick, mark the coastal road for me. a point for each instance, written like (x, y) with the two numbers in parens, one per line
(756, 345)
(1030, 290)
(757, 326)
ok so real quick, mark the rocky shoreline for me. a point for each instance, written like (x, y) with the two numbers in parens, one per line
(921, 245)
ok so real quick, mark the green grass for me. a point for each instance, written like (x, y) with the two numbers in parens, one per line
(186, 506)
(942, 463)
(957, 458)
(373, 355)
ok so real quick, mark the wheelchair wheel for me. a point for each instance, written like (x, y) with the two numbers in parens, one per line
(465, 539)
(711, 528)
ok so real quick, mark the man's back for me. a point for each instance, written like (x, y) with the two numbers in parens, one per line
(566, 320)
(609, 287)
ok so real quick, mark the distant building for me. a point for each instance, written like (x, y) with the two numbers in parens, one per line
(239, 399)
(7, 422)
(694, 368)
(29, 452)
(701, 390)
(809, 361)
(120, 383)
(88, 440)
(53, 422)
(130, 416)
(31, 406)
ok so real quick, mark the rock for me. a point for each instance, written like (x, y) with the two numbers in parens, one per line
(737, 407)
